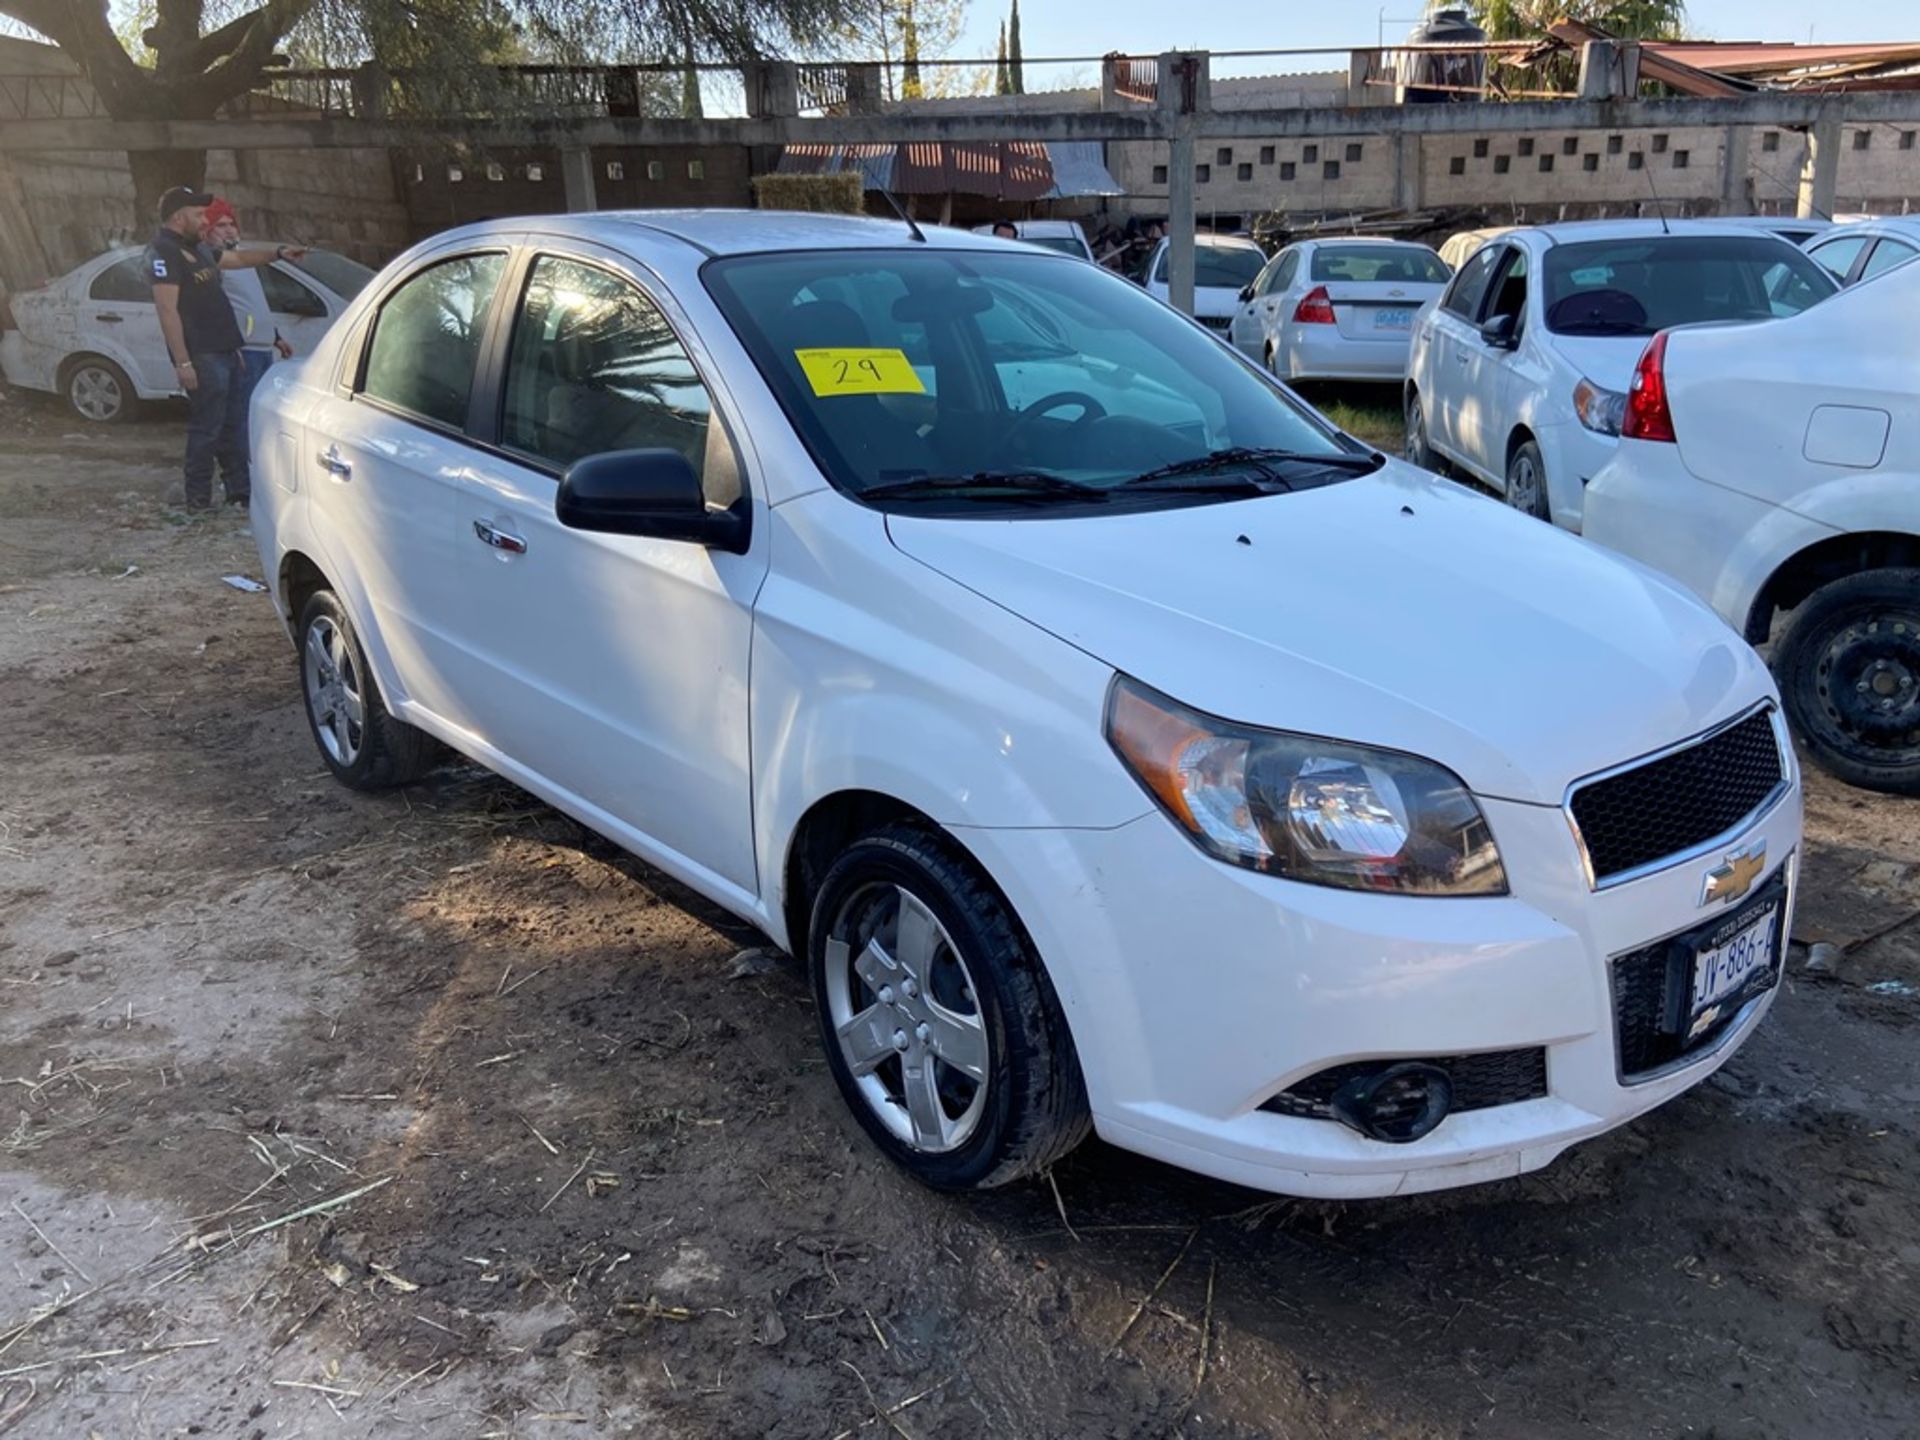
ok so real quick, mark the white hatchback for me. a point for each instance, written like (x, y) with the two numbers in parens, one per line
(1119, 746)
(1518, 375)
(93, 336)
(1223, 266)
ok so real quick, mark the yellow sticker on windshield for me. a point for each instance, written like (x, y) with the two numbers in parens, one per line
(859, 372)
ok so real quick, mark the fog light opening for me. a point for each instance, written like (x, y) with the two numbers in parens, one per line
(1399, 1104)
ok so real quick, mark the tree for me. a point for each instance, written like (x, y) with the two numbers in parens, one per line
(902, 35)
(1016, 76)
(197, 56)
(1626, 19)
(1002, 76)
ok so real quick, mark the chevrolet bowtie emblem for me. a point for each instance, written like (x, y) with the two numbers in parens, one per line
(1735, 875)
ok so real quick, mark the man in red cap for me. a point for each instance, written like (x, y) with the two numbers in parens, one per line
(205, 342)
(260, 339)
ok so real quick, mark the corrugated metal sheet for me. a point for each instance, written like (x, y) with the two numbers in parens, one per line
(1080, 168)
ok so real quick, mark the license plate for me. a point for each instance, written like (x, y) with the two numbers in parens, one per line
(1393, 319)
(1725, 969)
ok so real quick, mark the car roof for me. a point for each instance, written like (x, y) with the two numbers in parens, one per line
(1567, 232)
(732, 232)
(1905, 226)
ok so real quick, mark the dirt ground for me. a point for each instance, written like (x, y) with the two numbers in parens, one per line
(575, 1167)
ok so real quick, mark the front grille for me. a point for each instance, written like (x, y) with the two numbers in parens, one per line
(1679, 801)
(1650, 987)
(1498, 1077)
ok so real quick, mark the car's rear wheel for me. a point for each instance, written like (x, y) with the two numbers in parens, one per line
(940, 1026)
(1415, 447)
(1527, 481)
(364, 746)
(1849, 671)
(98, 391)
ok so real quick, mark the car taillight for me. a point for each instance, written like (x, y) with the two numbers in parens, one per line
(1649, 416)
(1315, 308)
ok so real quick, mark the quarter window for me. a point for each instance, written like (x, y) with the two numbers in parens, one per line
(1838, 255)
(594, 366)
(124, 283)
(1886, 255)
(427, 338)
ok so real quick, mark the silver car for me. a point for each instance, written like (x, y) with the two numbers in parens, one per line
(1337, 309)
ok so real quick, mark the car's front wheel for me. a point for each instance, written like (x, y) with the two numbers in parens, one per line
(1416, 448)
(98, 391)
(941, 1029)
(364, 746)
(1849, 672)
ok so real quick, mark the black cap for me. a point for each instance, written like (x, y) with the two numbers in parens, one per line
(181, 197)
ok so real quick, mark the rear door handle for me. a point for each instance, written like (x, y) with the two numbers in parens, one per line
(111, 319)
(502, 540)
(331, 462)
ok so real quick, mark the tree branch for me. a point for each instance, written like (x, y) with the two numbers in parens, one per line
(83, 32)
(240, 68)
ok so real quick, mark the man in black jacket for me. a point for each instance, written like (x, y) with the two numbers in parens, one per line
(204, 341)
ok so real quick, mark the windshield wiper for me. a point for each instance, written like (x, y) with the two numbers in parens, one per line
(1267, 462)
(987, 485)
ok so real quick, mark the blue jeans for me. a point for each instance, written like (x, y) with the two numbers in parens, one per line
(217, 429)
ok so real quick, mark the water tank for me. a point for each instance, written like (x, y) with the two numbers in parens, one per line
(1433, 76)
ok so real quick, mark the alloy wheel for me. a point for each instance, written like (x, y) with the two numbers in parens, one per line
(335, 699)
(906, 1013)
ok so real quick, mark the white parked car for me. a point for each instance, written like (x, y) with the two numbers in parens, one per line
(1458, 247)
(93, 335)
(1022, 720)
(1066, 236)
(1801, 230)
(1775, 470)
(1518, 375)
(1223, 266)
(1866, 248)
(1337, 309)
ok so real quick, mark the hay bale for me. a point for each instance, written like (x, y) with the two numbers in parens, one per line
(840, 193)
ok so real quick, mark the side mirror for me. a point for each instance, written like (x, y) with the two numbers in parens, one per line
(1499, 334)
(652, 493)
(1246, 293)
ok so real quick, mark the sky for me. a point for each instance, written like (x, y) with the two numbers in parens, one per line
(1145, 27)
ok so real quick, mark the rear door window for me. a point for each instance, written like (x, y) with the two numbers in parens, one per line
(426, 339)
(287, 296)
(121, 283)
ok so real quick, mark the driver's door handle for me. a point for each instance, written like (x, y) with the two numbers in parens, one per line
(331, 462)
(502, 540)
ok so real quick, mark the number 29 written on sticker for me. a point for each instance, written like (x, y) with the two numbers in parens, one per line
(859, 372)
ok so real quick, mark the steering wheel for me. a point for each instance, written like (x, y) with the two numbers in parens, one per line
(1092, 408)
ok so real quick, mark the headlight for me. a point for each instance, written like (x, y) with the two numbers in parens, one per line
(1600, 410)
(1308, 809)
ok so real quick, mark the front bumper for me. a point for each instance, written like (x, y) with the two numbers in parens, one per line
(1197, 991)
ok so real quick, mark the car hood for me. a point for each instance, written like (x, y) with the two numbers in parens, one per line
(1606, 360)
(1395, 609)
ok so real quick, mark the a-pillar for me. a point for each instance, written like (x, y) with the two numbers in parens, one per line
(1820, 175)
(576, 174)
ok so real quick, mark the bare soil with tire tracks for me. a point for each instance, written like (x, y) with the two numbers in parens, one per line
(597, 1179)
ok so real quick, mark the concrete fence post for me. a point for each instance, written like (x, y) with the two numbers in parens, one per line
(1184, 97)
(576, 177)
(1736, 183)
(1820, 175)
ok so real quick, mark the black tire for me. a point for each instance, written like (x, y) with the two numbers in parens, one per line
(1035, 1107)
(1849, 672)
(385, 752)
(1528, 498)
(90, 382)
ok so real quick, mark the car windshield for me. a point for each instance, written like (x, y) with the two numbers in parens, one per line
(1219, 267)
(1648, 283)
(899, 366)
(1407, 264)
(345, 278)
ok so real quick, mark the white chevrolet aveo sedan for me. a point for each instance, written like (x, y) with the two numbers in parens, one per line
(1121, 747)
